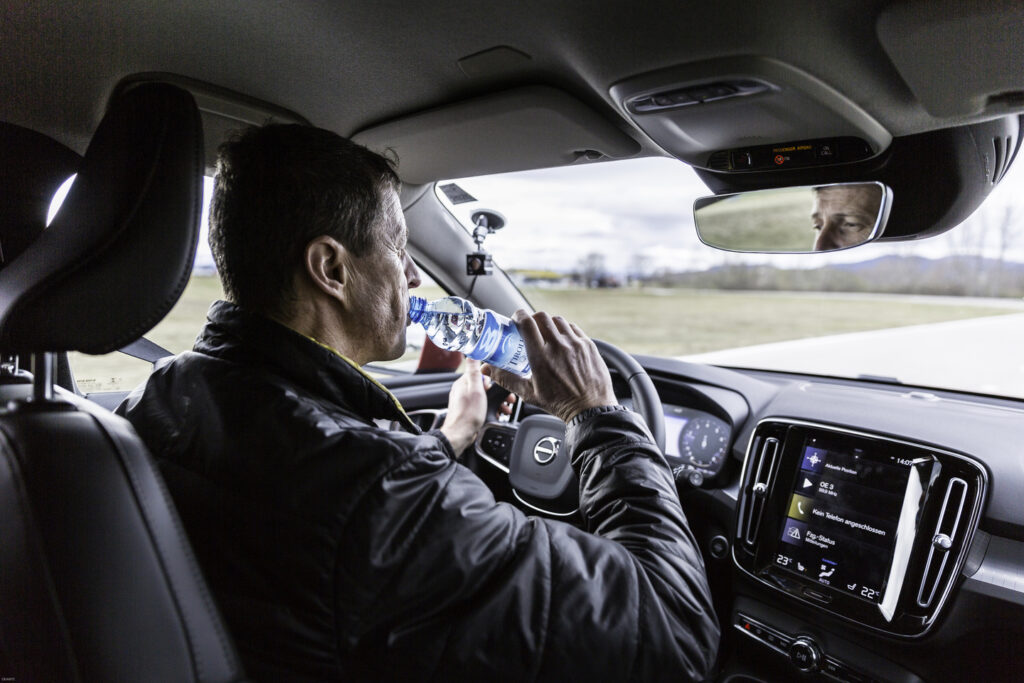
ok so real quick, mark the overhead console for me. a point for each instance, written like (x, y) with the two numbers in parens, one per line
(870, 528)
(721, 113)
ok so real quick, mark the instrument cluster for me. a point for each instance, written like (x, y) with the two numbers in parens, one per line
(696, 443)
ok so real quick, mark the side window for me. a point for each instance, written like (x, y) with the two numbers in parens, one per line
(176, 332)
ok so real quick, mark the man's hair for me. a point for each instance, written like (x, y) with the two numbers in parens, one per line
(277, 188)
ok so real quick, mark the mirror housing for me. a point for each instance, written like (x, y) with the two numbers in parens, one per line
(794, 220)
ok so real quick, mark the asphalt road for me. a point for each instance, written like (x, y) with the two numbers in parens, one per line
(984, 355)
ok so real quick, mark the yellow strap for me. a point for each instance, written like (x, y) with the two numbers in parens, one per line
(366, 375)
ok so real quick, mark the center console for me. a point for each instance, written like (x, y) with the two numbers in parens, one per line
(868, 527)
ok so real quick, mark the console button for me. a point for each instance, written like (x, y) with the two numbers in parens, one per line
(719, 547)
(804, 654)
(497, 444)
(834, 669)
(778, 641)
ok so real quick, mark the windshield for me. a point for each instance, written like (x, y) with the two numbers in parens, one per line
(612, 247)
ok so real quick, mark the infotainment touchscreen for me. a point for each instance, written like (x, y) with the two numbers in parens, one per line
(842, 517)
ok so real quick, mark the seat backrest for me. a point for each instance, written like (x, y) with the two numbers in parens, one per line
(97, 579)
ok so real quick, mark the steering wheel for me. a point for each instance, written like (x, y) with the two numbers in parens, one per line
(538, 465)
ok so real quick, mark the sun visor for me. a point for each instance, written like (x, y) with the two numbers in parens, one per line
(749, 113)
(525, 128)
(959, 58)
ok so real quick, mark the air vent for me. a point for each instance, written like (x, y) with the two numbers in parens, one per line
(997, 159)
(719, 161)
(764, 469)
(1003, 151)
(942, 540)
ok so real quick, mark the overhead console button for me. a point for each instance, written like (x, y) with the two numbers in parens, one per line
(713, 91)
(696, 94)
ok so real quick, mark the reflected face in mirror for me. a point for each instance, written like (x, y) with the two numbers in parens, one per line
(844, 216)
(776, 221)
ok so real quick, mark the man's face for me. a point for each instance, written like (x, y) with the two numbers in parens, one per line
(381, 280)
(844, 216)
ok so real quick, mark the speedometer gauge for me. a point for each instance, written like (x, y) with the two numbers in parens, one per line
(704, 441)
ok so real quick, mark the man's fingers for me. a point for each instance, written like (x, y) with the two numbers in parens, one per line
(528, 330)
(564, 326)
(547, 327)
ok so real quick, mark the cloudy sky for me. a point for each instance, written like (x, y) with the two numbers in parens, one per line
(643, 206)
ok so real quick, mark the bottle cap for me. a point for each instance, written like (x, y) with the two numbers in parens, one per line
(416, 306)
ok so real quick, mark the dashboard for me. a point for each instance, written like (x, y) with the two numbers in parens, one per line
(851, 530)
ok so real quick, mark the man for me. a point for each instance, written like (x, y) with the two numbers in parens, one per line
(338, 550)
(844, 215)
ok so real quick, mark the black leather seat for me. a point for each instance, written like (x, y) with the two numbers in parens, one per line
(97, 579)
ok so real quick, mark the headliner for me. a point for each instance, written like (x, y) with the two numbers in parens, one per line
(347, 66)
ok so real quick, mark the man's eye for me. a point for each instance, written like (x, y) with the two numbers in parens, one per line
(852, 226)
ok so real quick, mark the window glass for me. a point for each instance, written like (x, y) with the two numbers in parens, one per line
(177, 332)
(612, 247)
(414, 334)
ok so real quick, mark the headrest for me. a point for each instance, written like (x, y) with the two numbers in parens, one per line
(34, 167)
(119, 253)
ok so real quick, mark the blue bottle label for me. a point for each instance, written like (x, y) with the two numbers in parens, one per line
(501, 345)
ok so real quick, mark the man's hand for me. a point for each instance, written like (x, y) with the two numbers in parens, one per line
(467, 408)
(568, 373)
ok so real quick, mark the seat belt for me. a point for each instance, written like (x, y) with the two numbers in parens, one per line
(146, 350)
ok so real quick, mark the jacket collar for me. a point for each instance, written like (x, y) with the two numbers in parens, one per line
(236, 334)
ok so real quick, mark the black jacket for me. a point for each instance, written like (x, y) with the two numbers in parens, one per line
(338, 550)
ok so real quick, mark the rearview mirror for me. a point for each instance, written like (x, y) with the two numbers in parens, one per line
(794, 220)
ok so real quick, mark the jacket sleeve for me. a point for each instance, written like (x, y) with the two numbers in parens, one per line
(458, 587)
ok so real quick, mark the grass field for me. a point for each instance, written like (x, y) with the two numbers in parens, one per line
(769, 221)
(663, 322)
(670, 322)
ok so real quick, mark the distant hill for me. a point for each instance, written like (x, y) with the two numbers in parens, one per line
(921, 264)
(951, 276)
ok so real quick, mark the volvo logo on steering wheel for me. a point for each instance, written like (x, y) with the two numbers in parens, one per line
(546, 450)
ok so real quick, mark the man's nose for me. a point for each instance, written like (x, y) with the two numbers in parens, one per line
(412, 273)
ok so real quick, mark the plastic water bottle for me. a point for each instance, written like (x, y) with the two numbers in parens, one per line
(457, 325)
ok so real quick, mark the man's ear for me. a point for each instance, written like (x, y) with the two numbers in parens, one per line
(326, 260)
